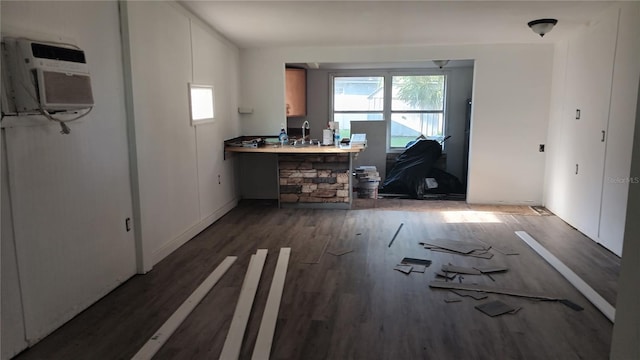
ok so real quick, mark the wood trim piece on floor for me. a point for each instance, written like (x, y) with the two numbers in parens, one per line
(598, 301)
(262, 349)
(233, 342)
(158, 339)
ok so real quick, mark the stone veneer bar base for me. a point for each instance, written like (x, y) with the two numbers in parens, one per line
(315, 180)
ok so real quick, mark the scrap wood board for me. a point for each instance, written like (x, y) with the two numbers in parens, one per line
(446, 275)
(490, 269)
(491, 289)
(151, 347)
(496, 307)
(477, 295)
(233, 342)
(396, 234)
(460, 270)
(264, 341)
(511, 292)
(457, 246)
(339, 252)
(412, 261)
(596, 299)
(500, 249)
(483, 254)
(403, 268)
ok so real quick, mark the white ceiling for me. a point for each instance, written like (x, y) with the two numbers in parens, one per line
(257, 24)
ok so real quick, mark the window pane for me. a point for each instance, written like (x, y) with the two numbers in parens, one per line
(201, 102)
(358, 93)
(406, 127)
(424, 92)
(345, 120)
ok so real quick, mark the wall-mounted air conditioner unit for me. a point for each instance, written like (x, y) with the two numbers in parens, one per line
(47, 77)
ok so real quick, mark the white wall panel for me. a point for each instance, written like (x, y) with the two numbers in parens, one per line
(12, 336)
(165, 140)
(178, 164)
(510, 111)
(71, 193)
(214, 64)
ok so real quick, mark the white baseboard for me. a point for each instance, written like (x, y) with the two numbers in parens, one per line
(598, 301)
(172, 245)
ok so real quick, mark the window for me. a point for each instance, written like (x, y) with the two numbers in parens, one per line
(416, 105)
(357, 99)
(417, 108)
(202, 104)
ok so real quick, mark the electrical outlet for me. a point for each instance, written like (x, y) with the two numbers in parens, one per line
(541, 148)
(219, 180)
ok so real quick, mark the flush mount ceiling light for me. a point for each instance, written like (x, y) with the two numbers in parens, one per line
(440, 63)
(542, 26)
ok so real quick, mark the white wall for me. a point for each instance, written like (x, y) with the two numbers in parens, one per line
(596, 71)
(70, 194)
(179, 164)
(12, 336)
(67, 196)
(625, 343)
(510, 108)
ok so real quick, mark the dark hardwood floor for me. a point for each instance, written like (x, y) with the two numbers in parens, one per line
(355, 306)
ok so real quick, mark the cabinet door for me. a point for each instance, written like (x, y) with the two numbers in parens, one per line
(296, 92)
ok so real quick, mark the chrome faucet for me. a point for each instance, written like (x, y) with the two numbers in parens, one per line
(305, 125)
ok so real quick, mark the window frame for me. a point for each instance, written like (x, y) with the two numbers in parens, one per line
(195, 122)
(388, 75)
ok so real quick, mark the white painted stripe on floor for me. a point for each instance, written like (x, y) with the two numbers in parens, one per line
(586, 290)
(158, 339)
(262, 349)
(233, 342)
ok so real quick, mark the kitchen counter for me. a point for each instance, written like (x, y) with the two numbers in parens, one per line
(309, 176)
(290, 149)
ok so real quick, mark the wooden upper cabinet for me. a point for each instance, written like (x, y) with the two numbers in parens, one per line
(296, 92)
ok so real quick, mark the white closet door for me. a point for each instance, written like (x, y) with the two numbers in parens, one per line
(589, 77)
(622, 119)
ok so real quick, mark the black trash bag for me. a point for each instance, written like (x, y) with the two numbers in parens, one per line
(411, 168)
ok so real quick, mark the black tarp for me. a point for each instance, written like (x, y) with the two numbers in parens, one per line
(413, 166)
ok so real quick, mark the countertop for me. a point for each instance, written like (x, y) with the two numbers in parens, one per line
(290, 149)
